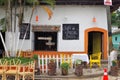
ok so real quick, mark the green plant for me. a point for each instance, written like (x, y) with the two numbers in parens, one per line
(52, 60)
(41, 61)
(35, 57)
(2, 23)
(22, 60)
(78, 61)
(114, 62)
(115, 18)
(65, 65)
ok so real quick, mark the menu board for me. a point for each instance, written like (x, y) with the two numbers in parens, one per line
(25, 28)
(70, 31)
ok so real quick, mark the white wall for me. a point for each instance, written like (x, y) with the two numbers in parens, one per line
(81, 15)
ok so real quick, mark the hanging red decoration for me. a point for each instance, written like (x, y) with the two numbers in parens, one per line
(36, 18)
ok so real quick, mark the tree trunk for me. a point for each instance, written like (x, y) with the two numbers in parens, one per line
(6, 51)
(9, 12)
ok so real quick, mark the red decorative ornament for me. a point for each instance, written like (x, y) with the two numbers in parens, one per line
(36, 18)
(94, 19)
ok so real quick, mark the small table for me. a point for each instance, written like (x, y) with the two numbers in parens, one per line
(83, 57)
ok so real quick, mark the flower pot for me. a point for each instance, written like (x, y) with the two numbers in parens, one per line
(64, 71)
(64, 68)
(79, 70)
(51, 68)
(114, 71)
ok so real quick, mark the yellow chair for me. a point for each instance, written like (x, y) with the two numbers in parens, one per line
(95, 59)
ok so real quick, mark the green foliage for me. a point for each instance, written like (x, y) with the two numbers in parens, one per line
(41, 61)
(114, 62)
(31, 2)
(25, 60)
(2, 2)
(65, 65)
(52, 60)
(49, 2)
(2, 23)
(35, 2)
(35, 57)
(115, 18)
(78, 61)
(22, 60)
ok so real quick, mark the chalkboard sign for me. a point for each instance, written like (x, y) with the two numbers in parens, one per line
(70, 31)
(23, 28)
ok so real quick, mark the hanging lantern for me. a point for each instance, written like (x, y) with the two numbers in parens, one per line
(94, 19)
(37, 18)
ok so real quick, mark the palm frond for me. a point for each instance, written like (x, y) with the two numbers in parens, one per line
(49, 2)
(32, 2)
(48, 10)
(2, 2)
(115, 18)
(2, 23)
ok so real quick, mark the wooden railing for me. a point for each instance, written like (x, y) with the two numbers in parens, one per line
(45, 56)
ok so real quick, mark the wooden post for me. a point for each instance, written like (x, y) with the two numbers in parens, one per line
(57, 61)
(109, 28)
(109, 34)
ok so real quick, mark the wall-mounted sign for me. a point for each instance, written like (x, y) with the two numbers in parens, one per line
(25, 29)
(108, 2)
(70, 31)
(45, 28)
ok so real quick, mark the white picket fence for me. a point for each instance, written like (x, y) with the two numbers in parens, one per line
(43, 61)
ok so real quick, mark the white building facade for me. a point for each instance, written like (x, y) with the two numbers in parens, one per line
(88, 36)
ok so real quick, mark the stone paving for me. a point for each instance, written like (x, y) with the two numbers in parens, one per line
(88, 74)
(90, 78)
(95, 78)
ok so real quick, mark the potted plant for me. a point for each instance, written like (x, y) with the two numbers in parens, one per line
(79, 67)
(78, 61)
(51, 67)
(64, 68)
(114, 68)
(114, 63)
